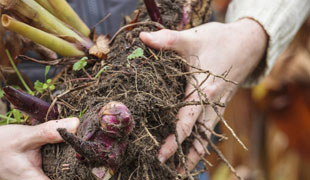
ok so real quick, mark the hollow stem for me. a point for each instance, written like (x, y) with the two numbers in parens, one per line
(153, 10)
(63, 11)
(50, 41)
(44, 19)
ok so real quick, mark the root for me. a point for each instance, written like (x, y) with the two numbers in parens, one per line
(228, 127)
(222, 157)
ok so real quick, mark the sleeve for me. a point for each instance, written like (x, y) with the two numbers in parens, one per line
(281, 20)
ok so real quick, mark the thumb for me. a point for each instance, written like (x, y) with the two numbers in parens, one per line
(165, 39)
(47, 132)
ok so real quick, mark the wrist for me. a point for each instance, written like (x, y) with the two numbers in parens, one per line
(253, 42)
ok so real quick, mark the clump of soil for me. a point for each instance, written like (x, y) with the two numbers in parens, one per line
(152, 87)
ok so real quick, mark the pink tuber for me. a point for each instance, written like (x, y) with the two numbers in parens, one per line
(102, 138)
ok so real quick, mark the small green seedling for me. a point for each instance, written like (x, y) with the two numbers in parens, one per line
(42, 87)
(101, 71)
(82, 112)
(48, 85)
(1, 93)
(80, 64)
(136, 54)
(47, 69)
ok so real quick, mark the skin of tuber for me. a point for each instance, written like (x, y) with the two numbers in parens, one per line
(30, 105)
(153, 11)
(102, 137)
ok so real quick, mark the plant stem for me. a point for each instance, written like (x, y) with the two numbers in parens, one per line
(63, 11)
(50, 41)
(18, 73)
(44, 19)
(153, 11)
(6, 120)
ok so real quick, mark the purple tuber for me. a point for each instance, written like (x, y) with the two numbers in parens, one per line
(102, 138)
(30, 105)
(153, 11)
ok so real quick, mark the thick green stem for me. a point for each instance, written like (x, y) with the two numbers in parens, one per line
(50, 41)
(44, 19)
(63, 11)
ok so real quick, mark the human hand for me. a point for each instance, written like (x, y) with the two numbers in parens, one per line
(216, 47)
(20, 156)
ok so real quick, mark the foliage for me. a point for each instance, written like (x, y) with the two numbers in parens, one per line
(12, 117)
(48, 85)
(82, 113)
(80, 64)
(101, 71)
(136, 54)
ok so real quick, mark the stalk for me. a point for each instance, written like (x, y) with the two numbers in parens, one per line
(18, 73)
(43, 19)
(50, 41)
(31, 105)
(153, 10)
(63, 11)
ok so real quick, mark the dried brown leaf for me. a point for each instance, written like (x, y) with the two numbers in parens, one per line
(101, 48)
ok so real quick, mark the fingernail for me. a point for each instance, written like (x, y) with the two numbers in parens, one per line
(71, 124)
(161, 158)
(149, 36)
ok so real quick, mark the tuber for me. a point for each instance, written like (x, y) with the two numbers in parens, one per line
(153, 11)
(102, 138)
(30, 105)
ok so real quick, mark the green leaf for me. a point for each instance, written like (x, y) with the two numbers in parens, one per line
(101, 71)
(45, 86)
(48, 81)
(82, 113)
(52, 87)
(47, 69)
(38, 86)
(17, 115)
(1, 93)
(136, 54)
(80, 64)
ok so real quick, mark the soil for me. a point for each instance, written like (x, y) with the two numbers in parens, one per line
(152, 87)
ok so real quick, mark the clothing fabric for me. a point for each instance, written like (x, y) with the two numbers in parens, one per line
(92, 11)
(281, 20)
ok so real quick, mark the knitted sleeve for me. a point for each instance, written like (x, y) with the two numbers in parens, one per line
(281, 20)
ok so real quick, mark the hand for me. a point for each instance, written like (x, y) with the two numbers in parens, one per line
(20, 156)
(216, 47)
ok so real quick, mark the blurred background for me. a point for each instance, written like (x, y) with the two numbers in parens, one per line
(273, 118)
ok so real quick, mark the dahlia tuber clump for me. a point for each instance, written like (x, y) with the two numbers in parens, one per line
(102, 138)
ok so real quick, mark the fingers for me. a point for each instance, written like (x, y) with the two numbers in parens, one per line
(196, 152)
(47, 132)
(163, 39)
(187, 118)
(179, 41)
(199, 149)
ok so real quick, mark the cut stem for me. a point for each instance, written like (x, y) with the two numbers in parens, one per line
(43, 19)
(153, 11)
(63, 11)
(50, 41)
